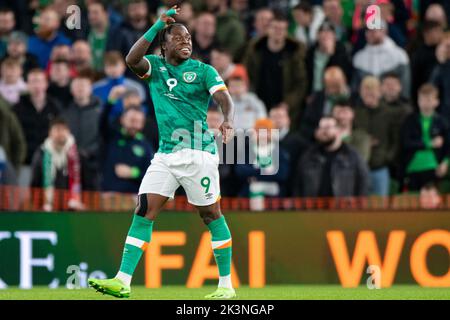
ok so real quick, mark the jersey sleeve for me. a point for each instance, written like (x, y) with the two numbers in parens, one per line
(213, 81)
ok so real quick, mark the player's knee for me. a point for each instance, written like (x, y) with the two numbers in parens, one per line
(142, 206)
(209, 214)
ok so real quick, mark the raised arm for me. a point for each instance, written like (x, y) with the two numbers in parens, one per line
(135, 58)
(223, 99)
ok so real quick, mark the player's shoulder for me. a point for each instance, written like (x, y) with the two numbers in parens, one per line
(201, 66)
(153, 58)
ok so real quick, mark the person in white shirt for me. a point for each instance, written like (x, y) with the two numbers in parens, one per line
(11, 81)
(248, 107)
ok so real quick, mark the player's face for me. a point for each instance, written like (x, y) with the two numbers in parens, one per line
(179, 43)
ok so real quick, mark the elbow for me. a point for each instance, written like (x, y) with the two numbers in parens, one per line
(130, 60)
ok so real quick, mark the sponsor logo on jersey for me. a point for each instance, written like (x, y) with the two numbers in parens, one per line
(189, 76)
(162, 69)
(219, 79)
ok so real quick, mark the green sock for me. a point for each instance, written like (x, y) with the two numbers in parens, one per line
(221, 244)
(139, 236)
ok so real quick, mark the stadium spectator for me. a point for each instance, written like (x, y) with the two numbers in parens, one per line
(7, 24)
(322, 102)
(12, 84)
(56, 165)
(17, 49)
(274, 84)
(47, 36)
(35, 110)
(429, 197)
(359, 139)
(126, 154)
(222, 60)
(230, 32)
(136, 23)
(81, 56)
(100, 31)
(425, 142)
(204, 36)
(391, 94)
(132, 99)
(59, 86)
(334, 13)
(423, 58)
(115, 75)
(82, 117)
(307, 19)
(379, 56)
(12, 138)
(290, 140)
(61, 52)
(248, 107)
(261, 23)
(440, 76)
(331, 168)
(382, 125)
(394, 31)
(436, 12)
(325, 53)
(267, 170)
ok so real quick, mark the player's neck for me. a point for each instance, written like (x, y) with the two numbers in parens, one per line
(174, 61)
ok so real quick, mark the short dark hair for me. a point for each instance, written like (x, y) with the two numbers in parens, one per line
(133, 108)
(58, 121)
(428, 89)
(390, 74)
(36, 70)
(100, 3)
(223, 50)
(5, 9)
(279, 16)
(343, 101)
(85, 74)
(113, 57)
(304, 6)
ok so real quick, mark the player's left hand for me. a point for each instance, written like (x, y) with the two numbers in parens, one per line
(226, 128)
(168, 19)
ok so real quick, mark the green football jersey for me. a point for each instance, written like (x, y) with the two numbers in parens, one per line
(181, 95)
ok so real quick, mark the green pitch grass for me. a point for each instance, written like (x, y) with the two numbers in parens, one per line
(294, 292)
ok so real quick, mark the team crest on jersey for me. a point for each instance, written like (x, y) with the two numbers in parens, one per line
(189, 76)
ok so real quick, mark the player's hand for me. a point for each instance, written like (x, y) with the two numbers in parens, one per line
(437, 142)
(122, 171)
(117, 92)
(226, 128)
(168, 19)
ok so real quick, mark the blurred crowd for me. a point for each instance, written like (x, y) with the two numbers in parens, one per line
(359, 111)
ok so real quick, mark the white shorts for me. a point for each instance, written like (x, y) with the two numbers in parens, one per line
(196, 171)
